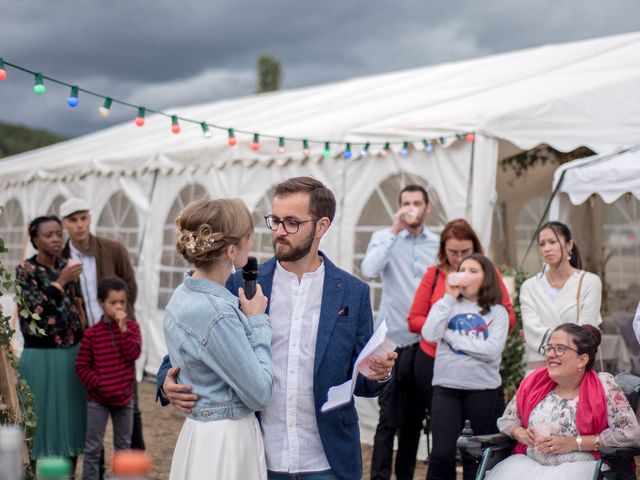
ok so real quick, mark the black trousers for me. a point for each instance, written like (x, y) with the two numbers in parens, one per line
(137, 441)
(450, 408)
(402, 411)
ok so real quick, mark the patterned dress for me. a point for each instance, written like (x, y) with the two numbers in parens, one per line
(623, 431)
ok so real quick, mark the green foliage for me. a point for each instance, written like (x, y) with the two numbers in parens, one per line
(28, 421)
(15, 139)
(541, 155)
(269, 73)
(512, 366)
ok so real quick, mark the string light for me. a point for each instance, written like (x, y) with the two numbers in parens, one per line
(205, 130)
(175, 126)
(232, 141)
(364, 151)
(327, 150)
(105, 109)
(347, 152)
(39, 87)
(255, 144)
(385, 150)
(72, 101)
(140, 117)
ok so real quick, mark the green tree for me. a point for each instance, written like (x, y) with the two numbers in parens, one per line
(269, 73)
(15, 139)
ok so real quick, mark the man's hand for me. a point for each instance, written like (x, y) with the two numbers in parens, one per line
(382, 366)
(179, 395)
(398, 220)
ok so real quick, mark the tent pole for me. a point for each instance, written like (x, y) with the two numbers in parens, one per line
(144, 229)
(467, 212)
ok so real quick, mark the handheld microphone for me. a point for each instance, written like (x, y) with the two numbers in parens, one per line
(249, 275)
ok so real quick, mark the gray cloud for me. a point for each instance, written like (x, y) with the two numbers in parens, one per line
(165, 53)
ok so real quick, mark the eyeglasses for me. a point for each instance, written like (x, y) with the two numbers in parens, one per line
(558, 350)
(290, 225)
(459, 254)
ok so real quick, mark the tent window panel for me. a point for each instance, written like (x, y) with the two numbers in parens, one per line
(622, 243)
(172, 265)
(262, 248)
(119, 221)
(12, 232)
(54, 208)
(378, 213)
(525, 229)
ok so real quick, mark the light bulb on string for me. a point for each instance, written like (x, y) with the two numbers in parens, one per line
(327, 150)
(205, 130)
(105, 109)
(255, 143)
(281, 147)
(428, 146)
(347, 152)
(385, 150)
(305, 147)
(364, 151)
(72, 101)
(404, 151)
(175, 126)
(3, 72)
(39, 87)
(442, 140)
(470, 137)
(140, 118)
(458, 136)
(232, 140)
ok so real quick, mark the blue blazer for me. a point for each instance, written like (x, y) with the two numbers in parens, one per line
(344, 328)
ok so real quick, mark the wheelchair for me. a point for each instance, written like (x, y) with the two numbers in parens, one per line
(488, 450)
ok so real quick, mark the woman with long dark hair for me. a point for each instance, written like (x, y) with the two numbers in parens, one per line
(561, 293)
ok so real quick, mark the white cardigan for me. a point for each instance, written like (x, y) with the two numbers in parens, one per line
(540, 315)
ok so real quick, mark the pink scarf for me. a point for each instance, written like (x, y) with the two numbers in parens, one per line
(591, 414)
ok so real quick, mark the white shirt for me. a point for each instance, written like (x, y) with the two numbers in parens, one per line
(291, 438)
(88, 284)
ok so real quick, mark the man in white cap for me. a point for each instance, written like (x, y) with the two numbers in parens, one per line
(100, 257)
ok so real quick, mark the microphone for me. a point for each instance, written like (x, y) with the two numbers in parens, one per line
(249, 275)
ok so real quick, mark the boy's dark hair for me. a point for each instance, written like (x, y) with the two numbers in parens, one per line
(414, 188)
(107, 284)
(490, 293)
(322, 202)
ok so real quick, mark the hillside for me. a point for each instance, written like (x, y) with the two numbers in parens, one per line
(17, 139)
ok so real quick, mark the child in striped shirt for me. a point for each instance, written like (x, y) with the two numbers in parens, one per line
(106, 366)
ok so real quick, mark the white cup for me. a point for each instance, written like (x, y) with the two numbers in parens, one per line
(410, 216)
(73, 262)
(457, 279)
(545, 429)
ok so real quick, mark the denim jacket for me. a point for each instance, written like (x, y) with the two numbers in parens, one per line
(223, 354)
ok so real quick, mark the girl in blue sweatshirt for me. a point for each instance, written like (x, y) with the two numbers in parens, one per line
(470, 327)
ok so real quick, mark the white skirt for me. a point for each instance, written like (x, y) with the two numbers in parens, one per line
(223, 449)
(523, 467)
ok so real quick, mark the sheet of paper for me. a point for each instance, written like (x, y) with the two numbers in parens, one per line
(341, 394)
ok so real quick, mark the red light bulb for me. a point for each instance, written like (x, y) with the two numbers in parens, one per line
(469, 137)
(3, 74)
(139, 121)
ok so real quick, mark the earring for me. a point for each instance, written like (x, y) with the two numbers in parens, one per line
(580, 369)
(233, 267)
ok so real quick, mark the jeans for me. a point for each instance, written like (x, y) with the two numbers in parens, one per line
(450, 408)
(97, 417)
(402, 410)
(324, 475)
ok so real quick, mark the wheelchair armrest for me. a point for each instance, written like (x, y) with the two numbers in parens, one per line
(474, 445)
(619, 452)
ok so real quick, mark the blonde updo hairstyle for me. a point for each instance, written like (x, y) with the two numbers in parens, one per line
(206, 229)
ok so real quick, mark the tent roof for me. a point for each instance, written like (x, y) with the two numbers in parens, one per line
(609, 176)
(568, 95)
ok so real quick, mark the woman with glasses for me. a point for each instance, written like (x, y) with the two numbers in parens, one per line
(564, 412)
(457, 241)
(561, 293)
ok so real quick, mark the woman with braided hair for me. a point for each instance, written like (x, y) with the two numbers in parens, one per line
(222, 344)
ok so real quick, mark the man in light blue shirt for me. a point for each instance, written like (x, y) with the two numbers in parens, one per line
(400, 255)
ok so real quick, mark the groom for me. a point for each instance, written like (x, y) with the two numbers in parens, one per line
(321, 318)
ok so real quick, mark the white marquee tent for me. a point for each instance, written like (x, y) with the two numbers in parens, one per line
(568, 95)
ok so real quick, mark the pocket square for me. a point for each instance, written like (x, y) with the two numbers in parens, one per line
(344, 311)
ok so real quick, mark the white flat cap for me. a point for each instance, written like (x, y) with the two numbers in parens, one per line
(73, 205)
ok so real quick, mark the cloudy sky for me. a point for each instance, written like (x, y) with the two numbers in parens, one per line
(164, 54)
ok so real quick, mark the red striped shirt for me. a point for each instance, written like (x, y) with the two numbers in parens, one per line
(106, 362)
